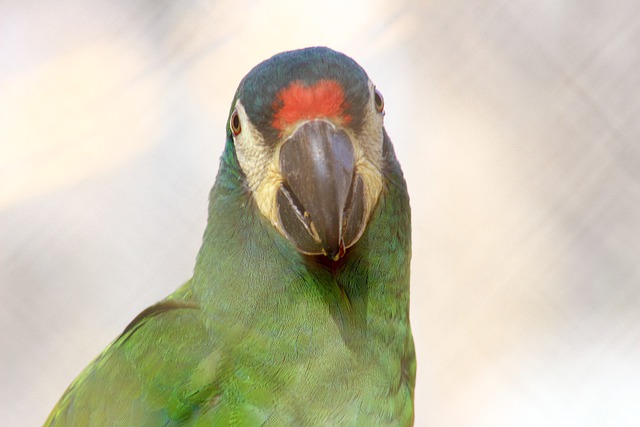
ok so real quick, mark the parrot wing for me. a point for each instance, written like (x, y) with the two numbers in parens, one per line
(152, 374)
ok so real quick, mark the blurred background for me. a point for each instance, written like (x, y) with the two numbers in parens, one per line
(516, 123)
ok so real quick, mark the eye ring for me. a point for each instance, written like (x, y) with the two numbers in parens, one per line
(234, 123)
(378, 100)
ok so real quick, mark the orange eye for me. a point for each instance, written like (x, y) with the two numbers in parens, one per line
(379, 101)
(234, 123)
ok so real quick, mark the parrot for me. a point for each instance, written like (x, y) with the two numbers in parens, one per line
(297, 312)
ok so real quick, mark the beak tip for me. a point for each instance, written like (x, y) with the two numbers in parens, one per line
(334, 254)
(333, 257)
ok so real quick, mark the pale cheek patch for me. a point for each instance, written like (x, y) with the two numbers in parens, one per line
(368, 151)
(256, 160)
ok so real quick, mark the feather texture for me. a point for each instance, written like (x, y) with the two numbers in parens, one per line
(263, 335)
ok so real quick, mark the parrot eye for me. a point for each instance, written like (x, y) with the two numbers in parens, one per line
(379, 101)
(234, 123)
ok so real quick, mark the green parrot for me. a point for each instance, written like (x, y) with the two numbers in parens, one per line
(298, 309)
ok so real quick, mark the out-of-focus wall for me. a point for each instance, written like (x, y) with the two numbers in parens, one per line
(517, 126)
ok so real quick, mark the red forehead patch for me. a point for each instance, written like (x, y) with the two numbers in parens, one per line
(297, 102)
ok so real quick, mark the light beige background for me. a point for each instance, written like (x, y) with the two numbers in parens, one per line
(517, 126)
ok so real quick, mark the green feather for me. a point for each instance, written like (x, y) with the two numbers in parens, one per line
(262, 335)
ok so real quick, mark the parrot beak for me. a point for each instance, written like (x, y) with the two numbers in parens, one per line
(321, 201)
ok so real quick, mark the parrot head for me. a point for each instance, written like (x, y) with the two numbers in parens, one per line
(307, 130)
